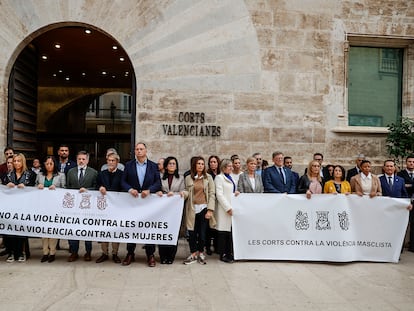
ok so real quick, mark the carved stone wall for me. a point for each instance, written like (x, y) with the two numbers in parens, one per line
(270, 73)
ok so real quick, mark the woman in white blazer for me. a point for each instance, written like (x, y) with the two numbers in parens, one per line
(225, 190)
(50, 178)
(171, 184)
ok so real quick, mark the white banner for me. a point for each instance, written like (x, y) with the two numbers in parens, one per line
(68, 214)
(325, 228)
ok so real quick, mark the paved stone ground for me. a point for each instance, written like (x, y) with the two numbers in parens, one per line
(216, 286)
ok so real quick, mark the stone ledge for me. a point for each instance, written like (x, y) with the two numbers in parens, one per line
(360, 129)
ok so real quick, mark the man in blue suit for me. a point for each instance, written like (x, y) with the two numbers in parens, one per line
(277, 178)
(140, 177)
(391, 184)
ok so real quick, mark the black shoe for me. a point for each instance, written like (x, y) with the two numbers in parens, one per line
(102, 258)
(44, 258)
(51, 258)
(226, 259)
(116, 259)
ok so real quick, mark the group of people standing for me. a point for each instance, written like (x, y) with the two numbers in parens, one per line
(207, 188)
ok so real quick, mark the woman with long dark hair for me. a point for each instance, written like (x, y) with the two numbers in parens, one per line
(201, 200)
(50, 178)
(338, 184)
(171, 183)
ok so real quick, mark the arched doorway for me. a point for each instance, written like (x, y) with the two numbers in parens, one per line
(58, 93)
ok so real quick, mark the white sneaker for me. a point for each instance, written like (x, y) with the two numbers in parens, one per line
(201, 259)
(190, 259)
(22, 258)
(10, 258)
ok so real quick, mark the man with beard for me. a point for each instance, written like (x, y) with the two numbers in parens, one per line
(64, 164)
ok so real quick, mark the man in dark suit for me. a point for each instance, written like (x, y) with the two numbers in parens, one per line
(324, 172)
(81, 177)
(392, 185)
(110, 180)
(64, 164)
(287, 162)
(408, 175)
(8, 151)
(355, 171)
(277, 178)
(141, 177)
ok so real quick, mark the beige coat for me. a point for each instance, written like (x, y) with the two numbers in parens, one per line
(177, 185)
(224, 194)
(210, 193)
(357, 187)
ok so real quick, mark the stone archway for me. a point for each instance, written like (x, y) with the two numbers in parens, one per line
(186, 56)
(84, 66)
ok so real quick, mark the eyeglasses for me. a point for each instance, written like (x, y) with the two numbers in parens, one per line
(258, 158)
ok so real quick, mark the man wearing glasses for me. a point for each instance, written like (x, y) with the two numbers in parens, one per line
(324, 170)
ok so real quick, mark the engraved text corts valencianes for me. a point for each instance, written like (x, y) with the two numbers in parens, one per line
(191, 124)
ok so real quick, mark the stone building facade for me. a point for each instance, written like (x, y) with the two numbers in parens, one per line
(233, 76)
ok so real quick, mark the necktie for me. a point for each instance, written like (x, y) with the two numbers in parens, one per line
(390, 181)
(281, 175)
(81, 176)
(411, 176)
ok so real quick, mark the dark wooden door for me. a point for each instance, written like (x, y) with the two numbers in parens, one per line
(22, 106)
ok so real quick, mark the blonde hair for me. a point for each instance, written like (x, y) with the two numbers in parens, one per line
(251, 159)
(308, 172)
(23, 158)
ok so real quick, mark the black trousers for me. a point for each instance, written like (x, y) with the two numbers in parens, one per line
(17, 243)
(197, 237)
(411, 245)
(224, 243)
(167, 252)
